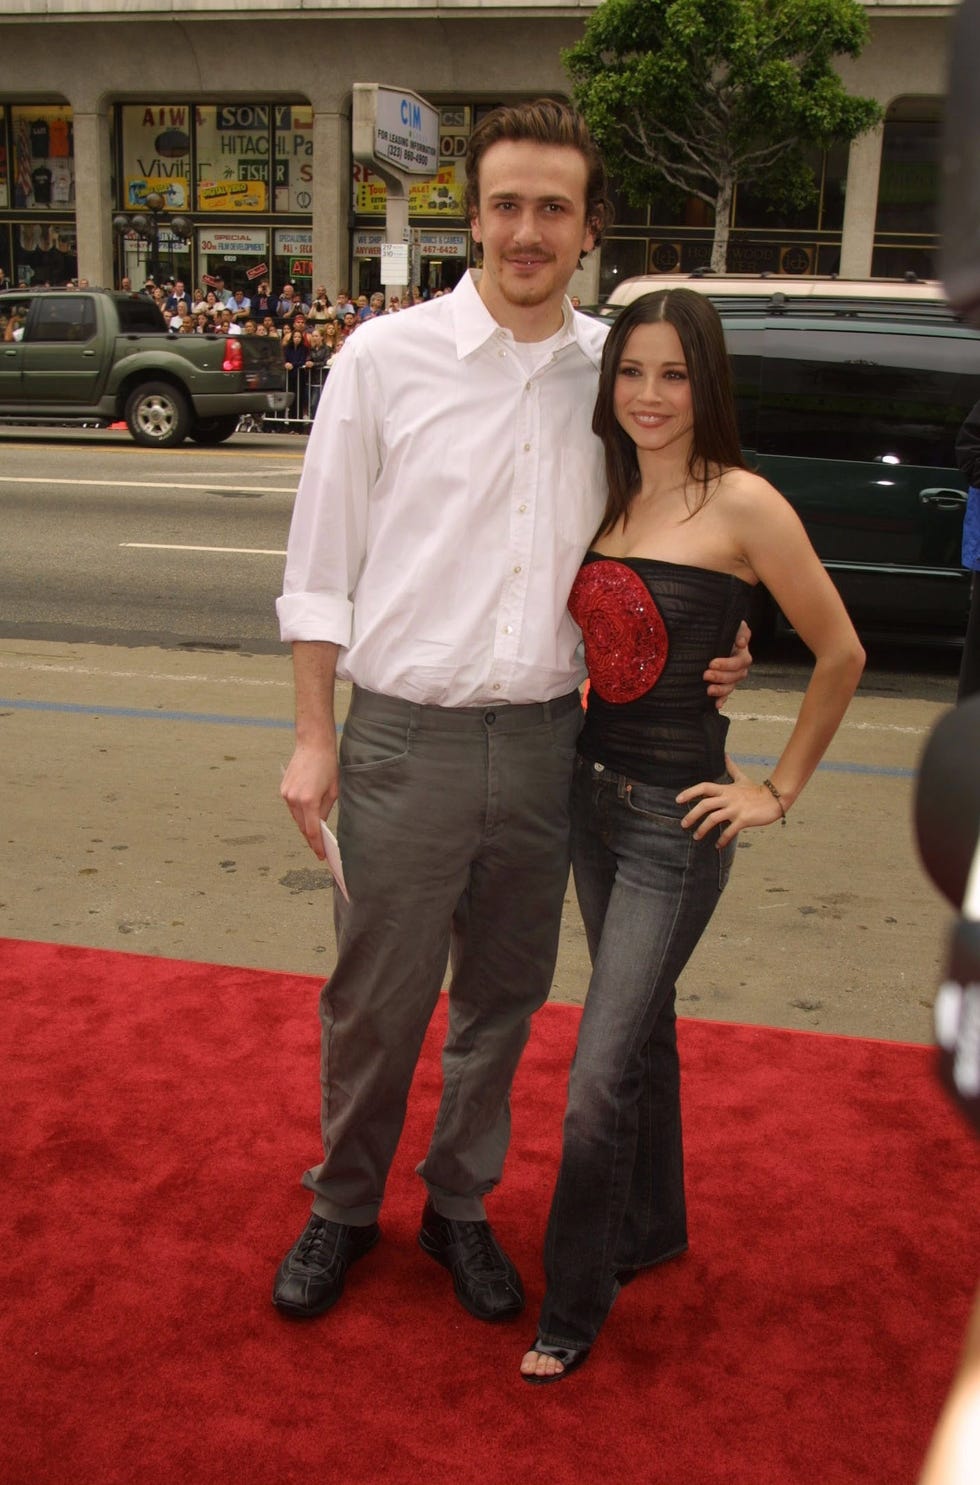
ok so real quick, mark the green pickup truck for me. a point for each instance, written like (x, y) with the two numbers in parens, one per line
(99, 357)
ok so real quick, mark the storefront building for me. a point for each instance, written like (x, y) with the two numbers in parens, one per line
(203, 143)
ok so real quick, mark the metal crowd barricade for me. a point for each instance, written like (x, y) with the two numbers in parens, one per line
(306, 385)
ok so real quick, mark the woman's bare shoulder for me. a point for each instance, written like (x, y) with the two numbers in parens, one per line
(745, 484)
(743, 495)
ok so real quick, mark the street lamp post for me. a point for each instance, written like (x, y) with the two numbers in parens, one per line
(147, 224)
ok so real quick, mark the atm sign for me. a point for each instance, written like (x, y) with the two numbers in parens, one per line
(301, 268)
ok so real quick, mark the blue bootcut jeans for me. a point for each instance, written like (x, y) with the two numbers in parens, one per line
(646, 890)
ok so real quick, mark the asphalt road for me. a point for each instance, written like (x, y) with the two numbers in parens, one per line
(105, 542)
(110, 543)
(145, 715)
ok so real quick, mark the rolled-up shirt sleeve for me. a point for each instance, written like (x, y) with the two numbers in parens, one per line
(328, 533)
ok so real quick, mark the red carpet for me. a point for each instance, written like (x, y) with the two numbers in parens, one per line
(158, 1115)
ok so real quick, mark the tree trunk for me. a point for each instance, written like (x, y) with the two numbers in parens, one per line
(723, 213)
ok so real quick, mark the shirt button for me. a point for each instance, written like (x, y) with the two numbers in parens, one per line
(508, 628)
(517, 568)
(527, 448)
(496, 685)
(527, 386)
(521, 509)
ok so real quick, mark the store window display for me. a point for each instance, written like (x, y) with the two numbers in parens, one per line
(43, 158)
(44, 253)
(254, 157)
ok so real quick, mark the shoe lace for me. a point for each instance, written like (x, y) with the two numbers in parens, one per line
(482, 1254)
(317, 1237)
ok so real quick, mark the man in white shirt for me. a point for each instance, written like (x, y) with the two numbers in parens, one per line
(451, 486)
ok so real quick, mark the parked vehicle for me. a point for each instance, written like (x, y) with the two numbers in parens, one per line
(850, 396)
(761, 285)
(99, 357)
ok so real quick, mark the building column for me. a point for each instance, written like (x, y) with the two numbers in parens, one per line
(331, 200)
(93, 195)
(861, 204)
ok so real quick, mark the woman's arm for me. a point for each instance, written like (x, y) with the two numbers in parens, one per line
(775, 546)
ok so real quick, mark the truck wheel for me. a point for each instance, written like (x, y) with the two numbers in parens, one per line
(213, 430)
(158, 415)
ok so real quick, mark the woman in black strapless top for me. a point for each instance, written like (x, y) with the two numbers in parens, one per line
(687, 532)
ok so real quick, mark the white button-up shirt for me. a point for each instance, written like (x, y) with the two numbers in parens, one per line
(445, 504)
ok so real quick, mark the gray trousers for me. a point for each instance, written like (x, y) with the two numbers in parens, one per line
(453, 829)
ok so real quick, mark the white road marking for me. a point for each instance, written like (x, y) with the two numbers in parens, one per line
(161, 546)
(23, 479)
(224, 474)
(845, 725)
(142, 675)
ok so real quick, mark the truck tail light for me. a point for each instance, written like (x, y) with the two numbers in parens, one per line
(233, 359)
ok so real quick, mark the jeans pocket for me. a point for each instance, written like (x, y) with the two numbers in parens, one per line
(654, 803)
(367, 744)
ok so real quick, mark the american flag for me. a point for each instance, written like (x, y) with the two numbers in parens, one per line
(22, 189)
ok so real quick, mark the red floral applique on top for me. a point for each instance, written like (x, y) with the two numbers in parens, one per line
(625, 636)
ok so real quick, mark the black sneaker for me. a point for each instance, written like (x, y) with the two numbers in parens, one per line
(486, 1282)
(311, 1276)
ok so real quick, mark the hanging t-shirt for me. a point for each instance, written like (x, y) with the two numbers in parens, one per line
(40, 139)
(61, 182)
(41, 179)
(58, 142)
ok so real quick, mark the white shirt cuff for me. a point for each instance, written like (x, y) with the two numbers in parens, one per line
(324, 617)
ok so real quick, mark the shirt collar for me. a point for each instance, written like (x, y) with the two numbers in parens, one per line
(475, 325)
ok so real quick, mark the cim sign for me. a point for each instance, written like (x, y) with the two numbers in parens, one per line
(405, 129)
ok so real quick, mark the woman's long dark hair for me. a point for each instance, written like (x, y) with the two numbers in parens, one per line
(715, 443)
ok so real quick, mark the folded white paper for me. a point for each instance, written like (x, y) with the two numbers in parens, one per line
(333, 857)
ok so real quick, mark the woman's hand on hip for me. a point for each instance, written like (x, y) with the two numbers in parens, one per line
(728, 807)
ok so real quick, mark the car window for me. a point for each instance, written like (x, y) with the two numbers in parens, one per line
(139, 315)
(868, 394)
(13, 316)
(746, 343)
(62, 317)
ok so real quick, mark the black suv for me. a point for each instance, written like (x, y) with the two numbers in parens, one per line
(850, 403)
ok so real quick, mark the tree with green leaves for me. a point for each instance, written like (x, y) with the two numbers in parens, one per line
(707, 95)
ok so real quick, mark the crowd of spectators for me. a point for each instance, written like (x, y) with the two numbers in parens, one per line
(258, 311)
(312, 328)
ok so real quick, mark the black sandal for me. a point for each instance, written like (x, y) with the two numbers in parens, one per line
(570, 1360)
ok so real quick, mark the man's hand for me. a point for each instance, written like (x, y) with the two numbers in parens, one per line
(725, 674)
(309, 788)
(310, 783)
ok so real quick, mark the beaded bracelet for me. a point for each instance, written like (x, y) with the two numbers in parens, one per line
(768, 784)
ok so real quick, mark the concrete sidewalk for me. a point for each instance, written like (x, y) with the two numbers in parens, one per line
(141, 812)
